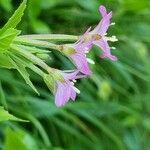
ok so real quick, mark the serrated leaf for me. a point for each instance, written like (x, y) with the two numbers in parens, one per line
(20, 66)
(5, 116)
(5, 61)
(16, 17)
(6, 38)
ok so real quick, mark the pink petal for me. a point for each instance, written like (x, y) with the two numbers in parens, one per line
(70, 75)
(104, 24)
(59, 98)
(81, 63)
(103, 10)
(106, 49)
(63, 94)
(67, 93)
(83, 36)
(84, 47)
(73, 95)
(112, 57)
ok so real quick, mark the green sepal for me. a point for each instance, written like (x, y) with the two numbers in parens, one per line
(50, 82)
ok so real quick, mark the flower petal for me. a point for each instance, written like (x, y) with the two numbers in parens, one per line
(103, 26)
(106, 49)
(63, 93)
(73, 95)
(59, 98)
(103, 10)
(82, 37)
(70, 75)
(81, 63)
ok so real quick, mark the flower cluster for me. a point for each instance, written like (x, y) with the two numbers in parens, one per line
(77, 54)
(30, 51)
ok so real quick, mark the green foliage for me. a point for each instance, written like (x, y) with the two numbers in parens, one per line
(19, 139)
(16, 17)
(6, 5)
(21, 65)
(5, 116)
(112, 111)
(5, 61)
(6, 39)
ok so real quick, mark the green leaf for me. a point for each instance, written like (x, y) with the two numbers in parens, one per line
(2, 97)
(5, 61)
(21, 67)
(6, 38)
(40, 27)
(6, 5)
(16, 17)
(5, 116)
(19, 139)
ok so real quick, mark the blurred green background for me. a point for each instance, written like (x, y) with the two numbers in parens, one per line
(113, 110)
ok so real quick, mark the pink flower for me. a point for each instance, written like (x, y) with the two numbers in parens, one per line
(65, 89)
(101, 30)
(77, 53)
(99, 34)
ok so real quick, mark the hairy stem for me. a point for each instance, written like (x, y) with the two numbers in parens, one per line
(38, 43)
(57, 37)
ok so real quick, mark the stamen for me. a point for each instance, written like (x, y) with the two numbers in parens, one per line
(86, 51)
(72, 83)
(90, 61)
(113, 47)
(112, 39)
(74, 80)
(76, 90)
(112, 24)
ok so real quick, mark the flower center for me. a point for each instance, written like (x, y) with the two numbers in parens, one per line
(93, 37)
(96, 37)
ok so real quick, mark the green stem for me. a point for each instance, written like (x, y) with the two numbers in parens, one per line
(32, 58)
(59, 37)
(38, 43)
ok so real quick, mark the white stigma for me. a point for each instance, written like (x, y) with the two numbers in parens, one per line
(74, 81)
(86, 51)
(113, 47)
(112, 24)
(112, 39)
(90, 61)
(76, 90)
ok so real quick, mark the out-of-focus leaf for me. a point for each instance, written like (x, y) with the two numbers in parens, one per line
(40, 27)
(6, 4)
(19, 139)
(5, 116)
